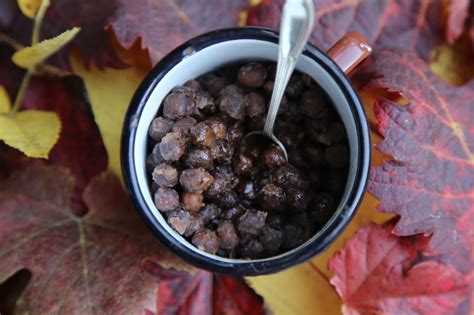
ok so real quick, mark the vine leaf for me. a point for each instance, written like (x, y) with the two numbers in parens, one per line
(409, 24)
(163, 25)
(99, 260)
(430, 182)
(380, 273)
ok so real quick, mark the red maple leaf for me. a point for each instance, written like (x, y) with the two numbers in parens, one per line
(430, 183)
(408, 24)
(163, 25)
(79, 265)
(379, 273)
(203, 293)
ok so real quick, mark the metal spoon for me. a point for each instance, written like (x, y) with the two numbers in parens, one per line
(296, 25)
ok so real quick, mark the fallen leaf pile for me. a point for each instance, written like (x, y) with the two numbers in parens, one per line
(71, 242)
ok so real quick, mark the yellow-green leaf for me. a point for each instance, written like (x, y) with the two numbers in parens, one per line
(29, 7)
(33, 132)
(5, 102)
(29, 57)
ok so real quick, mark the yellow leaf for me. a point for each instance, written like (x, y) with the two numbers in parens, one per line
(5, 102)
(33, 132)
(29, 7)
(297, 291)
(110, 92)
(31, 56)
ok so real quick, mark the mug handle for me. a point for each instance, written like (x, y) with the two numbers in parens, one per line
(349, 51)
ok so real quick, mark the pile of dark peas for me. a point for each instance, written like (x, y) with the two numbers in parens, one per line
(246, 201)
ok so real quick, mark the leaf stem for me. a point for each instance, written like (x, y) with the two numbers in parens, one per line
(38, 20)
(21, 92)
(34, 40)
(42, 68)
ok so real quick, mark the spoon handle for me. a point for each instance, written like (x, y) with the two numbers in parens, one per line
(296, 25)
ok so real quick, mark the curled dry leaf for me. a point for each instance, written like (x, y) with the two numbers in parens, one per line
(33, 132)
(379, 273)
(98, 261)
(31, 56)
(408, 24)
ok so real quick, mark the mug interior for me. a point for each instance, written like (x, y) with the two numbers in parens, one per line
(195, 63)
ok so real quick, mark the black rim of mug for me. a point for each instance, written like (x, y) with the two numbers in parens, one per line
(243, 267)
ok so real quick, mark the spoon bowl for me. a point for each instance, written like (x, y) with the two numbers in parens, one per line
(258, 136)
(296, 26)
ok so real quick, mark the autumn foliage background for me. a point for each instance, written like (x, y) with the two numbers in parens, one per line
(71, 243)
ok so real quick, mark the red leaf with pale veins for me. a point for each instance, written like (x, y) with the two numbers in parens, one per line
(379, 273)
(409, 24)
(160, 24)
(80, 147)
(96, 262)
(163, 25)
(430, 184)
(203, 293)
